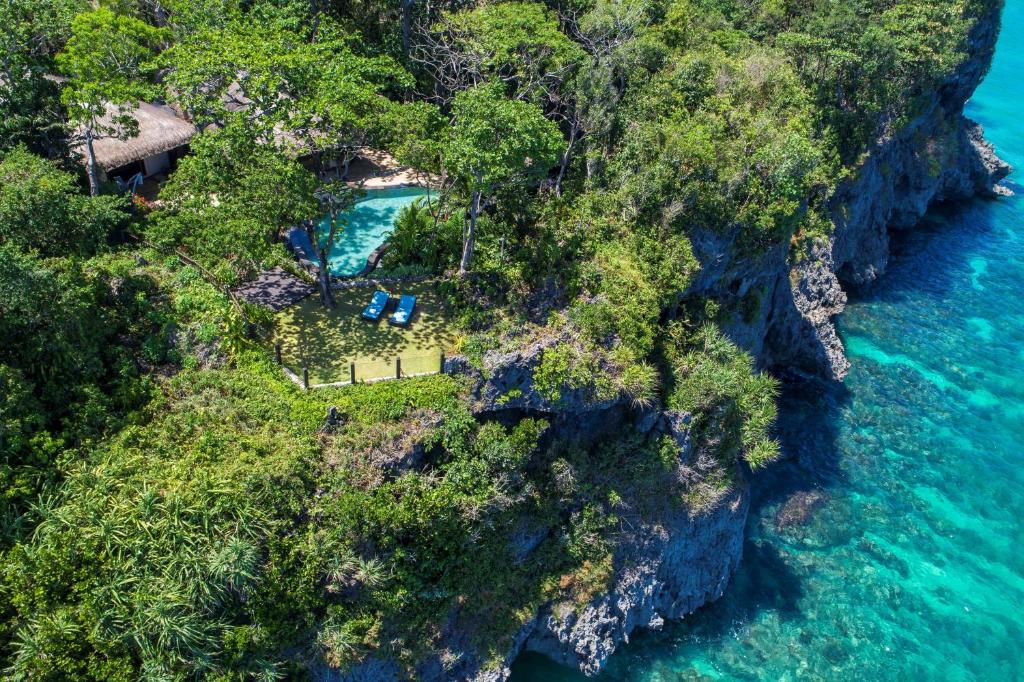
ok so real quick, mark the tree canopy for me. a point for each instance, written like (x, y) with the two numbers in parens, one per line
(172, 506)
(109, 61)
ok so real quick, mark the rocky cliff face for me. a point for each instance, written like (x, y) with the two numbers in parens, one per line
(668, 569)
(665, 566)
(664, 569)
(939, 156)
(664, 572)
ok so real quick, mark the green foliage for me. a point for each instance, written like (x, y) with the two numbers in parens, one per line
(42, 210)
(228, 200)
(518, 43)
(421, 237)
(152, 550)
(496, 140)
(627, 294)
(107, 61)
(716, 382)
(33, 31)
(415, 133)
(562, 367)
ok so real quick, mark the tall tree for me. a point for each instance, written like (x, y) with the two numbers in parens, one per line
(335, 198)
(496, 141)
(243, 67)
(519, 43)
(229, 197)
(108, 61)
(339, 97)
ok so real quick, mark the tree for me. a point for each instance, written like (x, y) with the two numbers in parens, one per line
(338, 99)
(243, 67)
(229, 197)
(495, 141)
(33, 31)
(108, 61)
(336, 197)
(518, 43)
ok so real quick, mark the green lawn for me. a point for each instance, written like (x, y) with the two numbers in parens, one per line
(326, 341)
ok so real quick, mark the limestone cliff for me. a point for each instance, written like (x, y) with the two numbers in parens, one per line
(669, 568)
(938, 156)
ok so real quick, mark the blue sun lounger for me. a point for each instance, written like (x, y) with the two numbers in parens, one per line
(377, 305)
(403, 313)
(299, 243)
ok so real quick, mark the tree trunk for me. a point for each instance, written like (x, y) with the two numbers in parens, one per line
(314, 9)
(565, 159)
(406, 25)
(90, 164)
(326, 297)
(470, 236)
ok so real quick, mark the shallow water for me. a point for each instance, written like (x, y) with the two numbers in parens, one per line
(368, 225)
(910, 567)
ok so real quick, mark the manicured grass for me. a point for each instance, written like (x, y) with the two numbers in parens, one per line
(326, 341)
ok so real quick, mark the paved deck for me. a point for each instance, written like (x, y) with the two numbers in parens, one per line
(274, 289)
(376, 169)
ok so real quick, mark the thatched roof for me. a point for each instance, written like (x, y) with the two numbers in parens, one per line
(160, 130)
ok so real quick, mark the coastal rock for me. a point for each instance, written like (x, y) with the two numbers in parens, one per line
(505, 383)
(787, 306)
(664, 572)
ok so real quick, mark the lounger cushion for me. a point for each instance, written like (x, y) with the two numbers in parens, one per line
(377, 304)
(403, 313)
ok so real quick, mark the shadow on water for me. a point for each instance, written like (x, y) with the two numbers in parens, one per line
(950, 252)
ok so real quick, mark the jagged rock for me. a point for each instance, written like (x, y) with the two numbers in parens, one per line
(506, 383)
(525, 540)
(938, 156)
(667, 571)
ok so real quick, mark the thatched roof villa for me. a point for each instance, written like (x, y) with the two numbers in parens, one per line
(163, 138)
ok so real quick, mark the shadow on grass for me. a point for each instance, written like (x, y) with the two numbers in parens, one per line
(326, 341)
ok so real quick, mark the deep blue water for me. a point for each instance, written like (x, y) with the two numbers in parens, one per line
(911, 567)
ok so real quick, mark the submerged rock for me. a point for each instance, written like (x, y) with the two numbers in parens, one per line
(797, 510)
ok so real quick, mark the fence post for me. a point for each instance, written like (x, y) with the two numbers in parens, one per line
(441, 368)
(305, 377)
(398, 368)
(277, 352)
(352, 372)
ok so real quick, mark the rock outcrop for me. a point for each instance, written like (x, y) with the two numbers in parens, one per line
(668, 569)
(665, 572)
(938, 156)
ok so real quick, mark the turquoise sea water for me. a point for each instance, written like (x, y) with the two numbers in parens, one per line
(369, 224)
(911, 567)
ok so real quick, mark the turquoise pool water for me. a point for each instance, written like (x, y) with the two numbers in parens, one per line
(912, 566)
(369, 224)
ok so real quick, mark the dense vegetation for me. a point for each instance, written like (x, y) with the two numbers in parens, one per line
(172, 507)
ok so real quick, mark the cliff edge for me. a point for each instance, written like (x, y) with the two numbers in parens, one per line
(790, 304)
(669, 568)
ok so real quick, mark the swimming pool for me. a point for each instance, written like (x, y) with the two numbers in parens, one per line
(368, 224)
